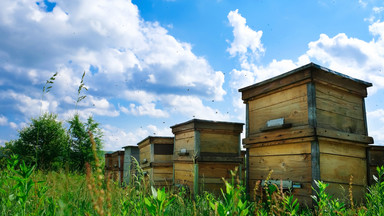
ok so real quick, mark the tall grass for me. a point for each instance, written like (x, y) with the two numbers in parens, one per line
(26, 191)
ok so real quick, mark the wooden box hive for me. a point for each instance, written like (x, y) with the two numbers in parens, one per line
(375, 155)
(114, 165)
(205, 152)
(156, 159)
(129, 165)
(308, 124)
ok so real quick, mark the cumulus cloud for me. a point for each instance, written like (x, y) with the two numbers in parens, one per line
(352, 56)
(3, 120)
(245, 39)
(116, 138)
(193, 107)
(125, 59)
(375, 125)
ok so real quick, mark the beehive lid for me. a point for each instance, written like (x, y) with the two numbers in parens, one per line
(199, 124)
(306, 73)
(155, 140)
(130, 146)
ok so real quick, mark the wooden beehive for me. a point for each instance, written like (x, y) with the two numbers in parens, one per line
(114, 165)
(205, 152)
(307, 124)
(156, 159)
(130, 152)
(375, 155)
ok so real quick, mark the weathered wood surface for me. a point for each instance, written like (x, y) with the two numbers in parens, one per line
(283, 134)
(286, 167)
(292, 107)
(219, 143)
(338, 169)
(375, 156)
(341, 191)
(186, 141)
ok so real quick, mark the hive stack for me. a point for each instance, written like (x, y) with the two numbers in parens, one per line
(205, 152)
(156, 159)
(307, 124)
(114, 164)
(130, 152)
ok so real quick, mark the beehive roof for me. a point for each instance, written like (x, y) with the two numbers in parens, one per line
(308, 72)
(196, 124)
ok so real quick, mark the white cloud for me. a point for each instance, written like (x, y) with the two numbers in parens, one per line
(376, 125)
(13, 125)
(244, 37)
(352, 56)
(3, 120)
(147, 109)
(109, 36)
(193, 107)
(116, 138)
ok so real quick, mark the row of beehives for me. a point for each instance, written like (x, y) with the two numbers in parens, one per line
(307, 124)
(199, 155)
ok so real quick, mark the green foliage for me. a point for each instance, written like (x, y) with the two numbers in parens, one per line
(326, 205)
(80, 142)
(43, 142)
(158, 202)
(291, 205)
(233, 202)
(25, 191)
(375, 197)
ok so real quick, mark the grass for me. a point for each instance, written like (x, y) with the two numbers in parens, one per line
(26, 191)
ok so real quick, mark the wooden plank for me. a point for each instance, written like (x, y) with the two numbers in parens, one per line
(279, 142)
(286, 167)
(337, 96)
(186, 141)
(334, 121)
(341, 107)
(145, 154)
(278, 97)
(184, 135)
(163, 158)
(205, 180)
(341, 83)
(219, 143)
(341, 191)
(283, 134)
(329, 133)
(338, 169)
(143, 143)
(161, 140)
(294, 112)
(183, 176)
(163, 170)
(338, 148)
(216, 170)
(274, 84)
(289, 149)
(376, 156)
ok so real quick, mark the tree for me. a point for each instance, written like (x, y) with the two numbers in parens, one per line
(44, 141)
(80, 144)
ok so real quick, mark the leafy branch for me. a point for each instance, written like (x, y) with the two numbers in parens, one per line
(81, 87)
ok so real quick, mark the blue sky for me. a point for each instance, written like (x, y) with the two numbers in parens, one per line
(151, 64)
